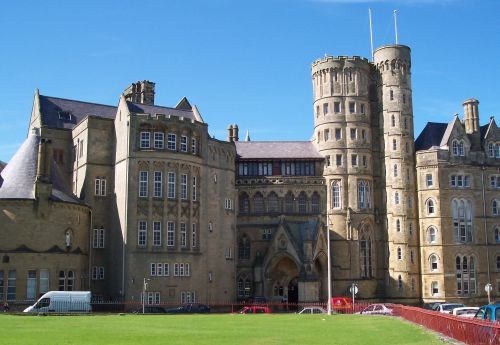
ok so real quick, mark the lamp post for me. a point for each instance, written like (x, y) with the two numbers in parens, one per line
(144, 287)
(329, 268)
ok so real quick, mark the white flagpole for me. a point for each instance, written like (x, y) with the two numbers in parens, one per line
(396, 25)
(371, 31)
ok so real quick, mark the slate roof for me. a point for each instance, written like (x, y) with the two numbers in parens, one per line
(430, 136)
(155, 109)
(54, 111)
(2, 165)
(67, 113)
(17, 180)
(276, 150)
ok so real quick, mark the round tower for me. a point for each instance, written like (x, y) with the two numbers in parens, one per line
(343, 135)
(393, 64)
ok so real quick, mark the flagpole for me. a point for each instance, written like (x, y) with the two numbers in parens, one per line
(396, 25)
(371, 31)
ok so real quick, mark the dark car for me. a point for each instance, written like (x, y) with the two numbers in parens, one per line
(149, 310)
(189, 308)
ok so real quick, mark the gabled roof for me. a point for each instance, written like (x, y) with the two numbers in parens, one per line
(184, 104)
(66, 113)
(276, 150)
(17, 180)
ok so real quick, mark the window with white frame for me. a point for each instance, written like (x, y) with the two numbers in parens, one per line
(462, 220)
(497, 234)
(228, 253)
(194, 148)
(428, 180)
(458, 148)
(11, 285)
(354, 133)
(194, 240)
(434, 288)
(184, 143)
(159, 139)
(152, 297)
(183, 234)
(364, 197)
(365, 161)
(465, 275)
(100, 186)
(460, 181)
(396, 198)
(176, 269)
(171, 185)
(43, 285)
(143, 184)
(338, 160)
(184, 186)
(193, 188)
(354, 160)
(267, 234)
(98, 273)
(144, 140)
(495, 205)
(336, 196)
(432, 233)
(171, 141)
(494, 150)
(98, 238)
(158, 184)
(430, 207)
(326, 134)
(156, 233)
(495, 181)
(433, 263)
(142, 233)
(362, 108)
(188, 297)
(336, 107)
(338, 134)
(228, 204)
(170, 234)
(394, 144)
(325, 108)
(2, 284)
(31, 285)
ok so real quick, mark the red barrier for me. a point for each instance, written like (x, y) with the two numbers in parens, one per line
(469, 331)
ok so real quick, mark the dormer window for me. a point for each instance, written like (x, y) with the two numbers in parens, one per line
(494, 150)
(458, 148)
(65, 116)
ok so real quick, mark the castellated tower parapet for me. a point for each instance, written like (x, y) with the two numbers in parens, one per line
(342, 92)
(395, 116)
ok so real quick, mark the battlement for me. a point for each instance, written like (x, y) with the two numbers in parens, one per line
(165, 117)
(340, 59)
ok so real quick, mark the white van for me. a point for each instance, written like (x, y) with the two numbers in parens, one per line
(62, 302)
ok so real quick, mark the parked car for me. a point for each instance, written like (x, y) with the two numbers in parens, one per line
(255, 309)
(189, 308)
(489, 312)
(312, 310)
(431, 306)
(447, 308)
(149, 309)
(468, 312)
(376, 309)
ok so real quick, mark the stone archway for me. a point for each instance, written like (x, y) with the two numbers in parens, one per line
(321, 271)
(281, 274)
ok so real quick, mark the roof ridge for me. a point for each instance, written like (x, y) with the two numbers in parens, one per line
(76, 100)
(274, 141)
(159, 106)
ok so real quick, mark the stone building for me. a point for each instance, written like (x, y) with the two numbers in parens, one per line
(139, 198)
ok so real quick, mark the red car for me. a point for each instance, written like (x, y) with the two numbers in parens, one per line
(255, 309)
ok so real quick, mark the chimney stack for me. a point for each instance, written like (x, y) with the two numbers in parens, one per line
(471, 122)
(141, 92)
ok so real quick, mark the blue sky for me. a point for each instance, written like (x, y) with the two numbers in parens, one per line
(244, 62)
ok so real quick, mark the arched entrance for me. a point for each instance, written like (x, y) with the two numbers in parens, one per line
(293, 291)
(281, 280)
(321, 271)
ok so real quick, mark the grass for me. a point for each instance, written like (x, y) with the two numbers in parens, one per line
(210, 329)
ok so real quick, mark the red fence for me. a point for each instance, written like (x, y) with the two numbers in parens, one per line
(469, 331)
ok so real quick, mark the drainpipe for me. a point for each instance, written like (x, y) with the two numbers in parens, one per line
(485, 225)
(89, 272)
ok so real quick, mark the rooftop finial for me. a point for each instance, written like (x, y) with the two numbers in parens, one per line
(247, 136)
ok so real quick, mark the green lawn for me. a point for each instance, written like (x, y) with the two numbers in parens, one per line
(210, 329)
